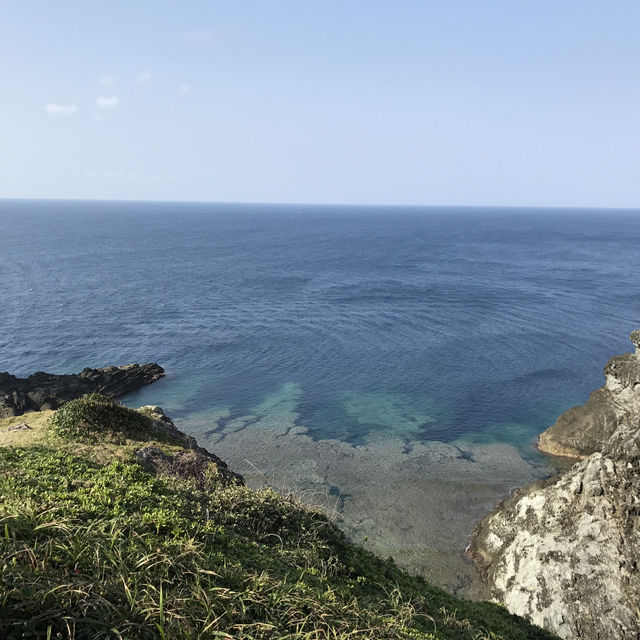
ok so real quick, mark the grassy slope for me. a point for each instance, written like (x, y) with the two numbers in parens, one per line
(94, 546)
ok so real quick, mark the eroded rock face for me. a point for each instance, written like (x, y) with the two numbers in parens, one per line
(566, 553)
(583, 430)
(196, 462)
(48, 391)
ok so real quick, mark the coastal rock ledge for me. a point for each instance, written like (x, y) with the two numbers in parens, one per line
(584, 430)
(48, 391)
(565, 553)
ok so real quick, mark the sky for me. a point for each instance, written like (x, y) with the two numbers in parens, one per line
(474, 102)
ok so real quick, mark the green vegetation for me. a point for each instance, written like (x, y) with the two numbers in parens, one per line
(93, 545)
(38, 423)
(96, 416)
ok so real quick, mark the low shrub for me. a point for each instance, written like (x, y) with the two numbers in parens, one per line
(95, 416)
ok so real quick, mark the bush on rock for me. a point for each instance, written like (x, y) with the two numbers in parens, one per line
(94, 416)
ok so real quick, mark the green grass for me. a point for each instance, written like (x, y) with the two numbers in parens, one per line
(97, 549)
(38, 422)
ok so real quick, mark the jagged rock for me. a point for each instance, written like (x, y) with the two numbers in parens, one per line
(196, 463)
(163, 424)
(565, 553)
(188, 464)
(23, 426)
(48, 391)
(583, 430)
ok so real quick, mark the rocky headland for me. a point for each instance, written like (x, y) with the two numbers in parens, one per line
(564, 553)
(42, 391)
(586, 429)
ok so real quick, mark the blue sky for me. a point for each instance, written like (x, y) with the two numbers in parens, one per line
(453, 102)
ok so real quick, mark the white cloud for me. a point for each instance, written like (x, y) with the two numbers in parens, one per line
(143, 77)
(107, 80)
(184, 88)
(107, 103)
(60, 109)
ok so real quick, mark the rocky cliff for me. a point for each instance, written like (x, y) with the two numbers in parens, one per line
(586, 429)
(193, 462)
(565, 553)
(48, 391)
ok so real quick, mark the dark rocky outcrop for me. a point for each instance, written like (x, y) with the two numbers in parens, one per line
(196, 462)
(48, 391)
(565, 553)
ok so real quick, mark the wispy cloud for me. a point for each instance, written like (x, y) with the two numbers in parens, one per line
(107, 103)
(184, 88)
(143, 77)
(107, 80)
(60, 109)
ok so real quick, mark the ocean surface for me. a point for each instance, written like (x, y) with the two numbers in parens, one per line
(355, 326)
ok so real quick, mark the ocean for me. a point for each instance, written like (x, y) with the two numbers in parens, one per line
(396, 363)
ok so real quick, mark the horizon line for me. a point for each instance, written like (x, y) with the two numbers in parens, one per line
(324, 204)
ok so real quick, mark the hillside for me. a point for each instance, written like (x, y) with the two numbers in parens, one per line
(116, 525)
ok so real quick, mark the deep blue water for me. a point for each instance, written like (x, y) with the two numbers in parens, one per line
(442, 322)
